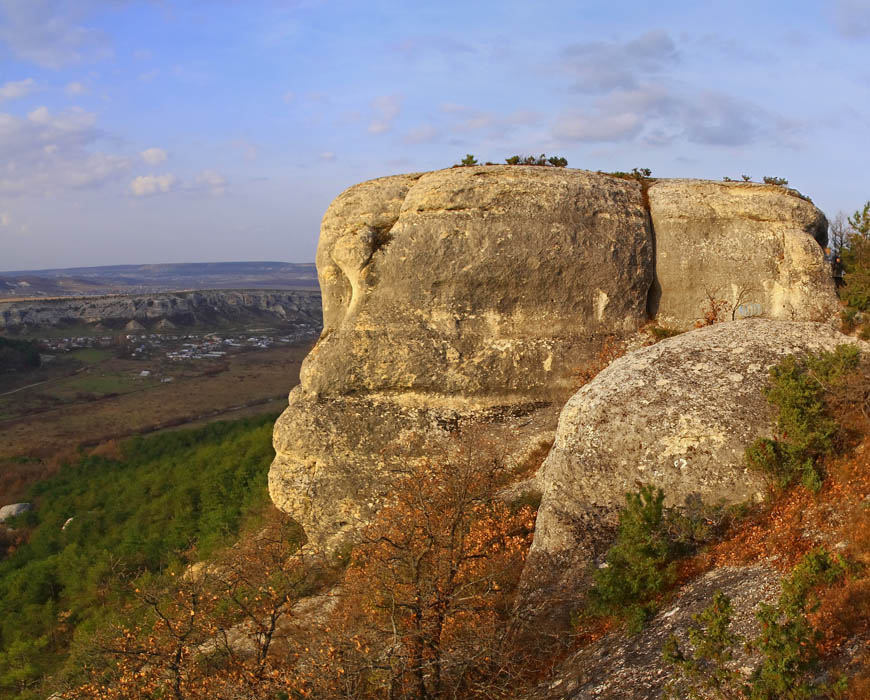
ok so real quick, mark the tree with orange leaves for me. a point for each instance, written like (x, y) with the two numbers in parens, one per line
(426, 600)
(212, 632)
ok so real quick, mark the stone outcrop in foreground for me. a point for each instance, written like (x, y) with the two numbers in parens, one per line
(468, 301)
(677, 415)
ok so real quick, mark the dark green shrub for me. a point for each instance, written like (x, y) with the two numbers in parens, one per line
(638, 565)
(780, 181)
(805, 429)
(706, 670)
(787, 643)
(469, 160)
(856, 263)
(542, 160)
(635, 174)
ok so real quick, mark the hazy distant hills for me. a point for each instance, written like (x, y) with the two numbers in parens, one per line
(114, 279)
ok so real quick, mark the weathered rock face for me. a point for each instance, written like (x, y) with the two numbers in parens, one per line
(478, 282)
(677, 415)
(465, 297)
(756, 249)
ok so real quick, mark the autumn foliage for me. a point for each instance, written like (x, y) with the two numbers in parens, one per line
(423, 611)
(426, 600)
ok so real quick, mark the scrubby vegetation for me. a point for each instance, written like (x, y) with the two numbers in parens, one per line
(803, 390)
(642, 562)
(639, 564)
(854, 253)
(635, 174)
(105, 519)
(787, 645)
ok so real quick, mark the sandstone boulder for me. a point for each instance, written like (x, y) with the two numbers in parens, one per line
(754, 250)
(463, 297)
(677, 415)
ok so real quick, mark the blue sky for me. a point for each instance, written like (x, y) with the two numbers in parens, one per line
(210, 130)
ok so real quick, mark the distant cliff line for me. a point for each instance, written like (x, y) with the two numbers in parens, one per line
(165, 310)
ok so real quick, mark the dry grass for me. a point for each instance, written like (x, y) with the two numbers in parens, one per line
(259, 381)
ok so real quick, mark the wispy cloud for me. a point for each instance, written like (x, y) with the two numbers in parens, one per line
(626, 93)
(385, 108)
(50, 33)
(852, 18)
(213, 181)
(598, 66)
(16, 88)
(76, 88)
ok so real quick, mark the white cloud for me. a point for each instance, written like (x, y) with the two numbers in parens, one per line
(288, 97)
(213, 180)
(52, 151)
(146, 185)
(5, 219)
(386, 108)
(76, 89)
(154, 156)
(50, 33)
(16, 88)
(326, 155)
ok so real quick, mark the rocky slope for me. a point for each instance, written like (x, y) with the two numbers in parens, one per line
(461, 299)
(677, 415)
(163, 311)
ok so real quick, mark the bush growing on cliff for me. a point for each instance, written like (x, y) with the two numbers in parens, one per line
(770, 180)
(787, 643)
(639, 565)
(805, 428)
(541, 160)
(427, 596)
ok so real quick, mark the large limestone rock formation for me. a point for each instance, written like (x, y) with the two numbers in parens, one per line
(476, 281)
(474, 296)
(678, 415)
(753, 250)
(471, 295)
